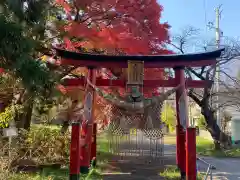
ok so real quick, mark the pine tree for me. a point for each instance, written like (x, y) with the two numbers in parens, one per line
(22, 41)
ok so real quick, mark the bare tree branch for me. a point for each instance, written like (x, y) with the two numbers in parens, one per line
(230, 95)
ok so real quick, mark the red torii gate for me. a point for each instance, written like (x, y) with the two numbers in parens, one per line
(186, 139)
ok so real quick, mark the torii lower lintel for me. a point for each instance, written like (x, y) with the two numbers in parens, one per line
(147, 83)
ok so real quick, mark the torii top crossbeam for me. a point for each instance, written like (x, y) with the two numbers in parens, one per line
(150, 61)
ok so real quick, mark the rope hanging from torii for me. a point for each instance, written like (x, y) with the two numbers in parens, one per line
(144, 114)
(133, 110)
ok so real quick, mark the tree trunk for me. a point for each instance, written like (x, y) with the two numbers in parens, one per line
(219, 137)
(23, 119)
(28, 116)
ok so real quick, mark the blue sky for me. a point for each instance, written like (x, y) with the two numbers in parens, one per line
(181, 13)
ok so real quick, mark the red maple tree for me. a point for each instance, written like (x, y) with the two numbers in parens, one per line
(126, 26)
(116, 27)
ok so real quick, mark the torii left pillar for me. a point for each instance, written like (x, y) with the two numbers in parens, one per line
(87, 127)
(94, 146)
(75, 151)
(191, 157)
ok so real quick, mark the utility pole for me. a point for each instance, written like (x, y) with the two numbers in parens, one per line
(218, 41)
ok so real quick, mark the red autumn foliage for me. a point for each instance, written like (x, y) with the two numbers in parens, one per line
(128, 26)
(117, 27)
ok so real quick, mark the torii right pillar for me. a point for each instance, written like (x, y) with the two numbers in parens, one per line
(185, 136)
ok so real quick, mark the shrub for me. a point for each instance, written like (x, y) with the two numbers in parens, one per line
(202, 123)
(48, 144)
(168, 116)
(8, 115)
(42, 144)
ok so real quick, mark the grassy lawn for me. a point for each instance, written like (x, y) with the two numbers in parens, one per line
(172, 173)
(53, 174)
(170, 139)
(205, 147)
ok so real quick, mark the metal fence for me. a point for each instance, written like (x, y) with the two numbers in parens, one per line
(210, 168)
(138, 144)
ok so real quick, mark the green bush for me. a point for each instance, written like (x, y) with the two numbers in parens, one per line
(8, 115)
(202, 123)
(44, 144)
(168, 116)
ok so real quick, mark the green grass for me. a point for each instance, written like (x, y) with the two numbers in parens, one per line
(203, 144)
(170, 139)
(205, 147)
(172, 173)
(53, 174)
(103, 154)
(102, 144)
